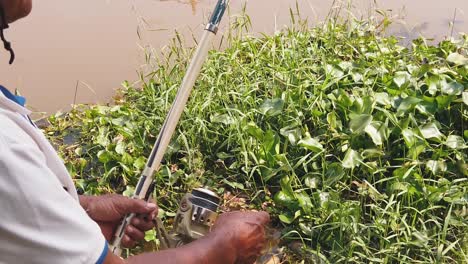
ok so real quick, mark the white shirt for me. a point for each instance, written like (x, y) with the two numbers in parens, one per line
(41, 220)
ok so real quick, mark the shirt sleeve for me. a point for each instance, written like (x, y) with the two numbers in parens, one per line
(40, 221)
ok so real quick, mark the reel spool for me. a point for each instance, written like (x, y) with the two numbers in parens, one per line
(196, 214)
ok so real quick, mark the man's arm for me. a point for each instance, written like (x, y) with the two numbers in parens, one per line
(209, 250)
(237, 237)
(41, 222)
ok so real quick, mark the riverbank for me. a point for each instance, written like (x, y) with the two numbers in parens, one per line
(354, 143)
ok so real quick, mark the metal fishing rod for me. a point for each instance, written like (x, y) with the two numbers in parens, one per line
(145, 186)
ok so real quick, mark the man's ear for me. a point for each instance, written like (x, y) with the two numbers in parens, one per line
(16, 9)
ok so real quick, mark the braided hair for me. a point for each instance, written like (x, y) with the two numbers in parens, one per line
(4, 25)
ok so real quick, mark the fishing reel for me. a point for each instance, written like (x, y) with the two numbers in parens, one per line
(196, 214)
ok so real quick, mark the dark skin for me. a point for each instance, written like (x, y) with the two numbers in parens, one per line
(107, 211)
(236, 238)
(16, 9)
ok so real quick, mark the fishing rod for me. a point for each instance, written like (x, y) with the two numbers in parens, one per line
(145, 186)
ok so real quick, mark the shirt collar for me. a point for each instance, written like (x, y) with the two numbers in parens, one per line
(12, 102)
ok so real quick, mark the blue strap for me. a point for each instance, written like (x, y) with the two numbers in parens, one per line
(15, 98)
(103, 254)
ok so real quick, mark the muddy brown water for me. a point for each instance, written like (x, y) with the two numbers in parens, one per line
(91, 46)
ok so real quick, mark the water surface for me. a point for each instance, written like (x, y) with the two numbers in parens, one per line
(91, 46)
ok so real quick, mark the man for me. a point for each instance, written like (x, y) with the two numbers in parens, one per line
(43, 220)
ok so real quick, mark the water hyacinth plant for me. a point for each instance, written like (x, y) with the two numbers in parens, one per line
(355, 144)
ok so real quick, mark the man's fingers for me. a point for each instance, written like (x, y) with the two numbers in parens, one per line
(134, 234)
(128, 242)
(142, 223)
(128, 205)
(262, 217)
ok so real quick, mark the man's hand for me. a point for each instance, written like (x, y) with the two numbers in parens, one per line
(245, 231)
(108, 210)
(236, 238)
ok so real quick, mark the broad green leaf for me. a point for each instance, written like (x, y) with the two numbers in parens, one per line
(289, 219)
(407, 104)
(357, 77)
(104, 156)
(223, 119)
(465, 97)
(433, 83)
(436, 166)
(352, 159)
(312, 182)
(427, 108)
(444, 101)
(344, 98)
(452, 88)
(372, 153)
(304, 202)
(286, 219)
(286, 186)
(430, 131)
(345, 65)
(120, 147)
(334, 71)
(457, 59)
(102, 109)
(293, 134)
(455, 142)
(127, 159)
(270, 140)
(311, 144)
(150, 235)
(285, 200)
(333, 121)
(272, 107)
(83, 163)
(383, 99)
(139, 163)
(253, 130)
(165, 173)
(102, 139)
(373, 131)
(416, 150)
(359, 123)
(79, 151)
(333, 173)
(412, 68)
(324, 198)
(401, 78)
(118, 121)
(363, 105)
(129, 190)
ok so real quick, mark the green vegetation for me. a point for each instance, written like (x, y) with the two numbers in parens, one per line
(355, 144)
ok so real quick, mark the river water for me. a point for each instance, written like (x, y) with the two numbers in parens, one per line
(80, 51)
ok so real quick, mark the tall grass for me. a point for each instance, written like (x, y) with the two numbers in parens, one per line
(355, 144)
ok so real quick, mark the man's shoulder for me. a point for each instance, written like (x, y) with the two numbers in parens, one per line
(12, 130)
